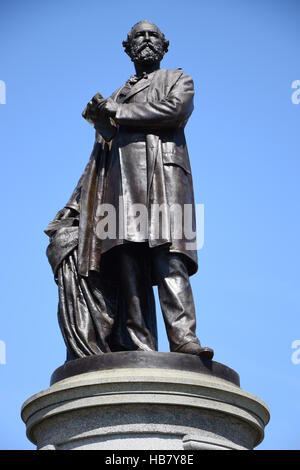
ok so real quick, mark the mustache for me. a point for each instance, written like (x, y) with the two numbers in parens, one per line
(148, 44)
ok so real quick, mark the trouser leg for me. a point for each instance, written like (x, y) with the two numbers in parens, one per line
(138, 296)
(176, 297)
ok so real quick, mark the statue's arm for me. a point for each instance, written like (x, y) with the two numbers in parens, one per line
(176, 107)
(101, 121)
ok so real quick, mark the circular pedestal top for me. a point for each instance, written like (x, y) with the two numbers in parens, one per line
(144, 359)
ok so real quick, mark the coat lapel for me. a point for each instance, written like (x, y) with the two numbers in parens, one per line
(116, 93)
(159, 77)
(139, 86)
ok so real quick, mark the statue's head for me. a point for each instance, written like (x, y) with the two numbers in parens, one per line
(146, 44)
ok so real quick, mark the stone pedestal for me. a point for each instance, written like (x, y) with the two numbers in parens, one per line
(140, 400)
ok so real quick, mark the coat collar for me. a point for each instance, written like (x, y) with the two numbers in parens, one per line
(164, 75)
(139, 86)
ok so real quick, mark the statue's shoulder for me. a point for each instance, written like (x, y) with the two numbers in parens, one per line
(172, 75)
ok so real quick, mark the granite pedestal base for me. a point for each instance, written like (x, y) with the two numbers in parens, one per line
(140, 400)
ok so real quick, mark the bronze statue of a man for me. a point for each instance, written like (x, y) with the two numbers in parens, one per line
(139, 160)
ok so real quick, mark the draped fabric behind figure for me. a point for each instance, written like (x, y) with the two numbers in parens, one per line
(91, 313)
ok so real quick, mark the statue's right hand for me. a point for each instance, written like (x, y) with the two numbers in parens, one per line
(91, 110)
(97, 99)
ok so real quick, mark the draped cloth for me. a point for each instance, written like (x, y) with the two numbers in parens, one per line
(91, 313)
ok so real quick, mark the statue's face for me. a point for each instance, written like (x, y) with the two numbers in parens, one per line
(146, 45)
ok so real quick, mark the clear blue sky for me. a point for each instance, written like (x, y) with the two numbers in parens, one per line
(243, 140)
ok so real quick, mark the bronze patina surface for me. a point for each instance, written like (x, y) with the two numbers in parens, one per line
(140, 157)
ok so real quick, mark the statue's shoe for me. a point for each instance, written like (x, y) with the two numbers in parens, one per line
(197, 350)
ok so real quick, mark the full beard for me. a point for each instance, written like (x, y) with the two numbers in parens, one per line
(146, 54)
